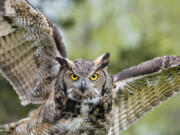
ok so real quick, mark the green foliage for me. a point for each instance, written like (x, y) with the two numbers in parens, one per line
(132, 31)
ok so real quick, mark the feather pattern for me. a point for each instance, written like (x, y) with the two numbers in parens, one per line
(29, 43)
(143, 87)
(29, 47)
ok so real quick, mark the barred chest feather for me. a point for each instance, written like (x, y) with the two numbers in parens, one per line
(62, 116)
(81, 118)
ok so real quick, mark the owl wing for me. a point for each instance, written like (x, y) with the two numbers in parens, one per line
(141, 88)
(29, 42)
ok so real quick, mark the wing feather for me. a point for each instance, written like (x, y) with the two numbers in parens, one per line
(141, 88)
(29, 42)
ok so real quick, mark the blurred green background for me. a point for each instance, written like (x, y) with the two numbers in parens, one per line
(133, 31)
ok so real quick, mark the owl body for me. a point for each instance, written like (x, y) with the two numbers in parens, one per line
(71, 114)
(77, 97)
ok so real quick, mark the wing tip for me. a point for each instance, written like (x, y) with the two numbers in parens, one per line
(171, 61)
(148, 67)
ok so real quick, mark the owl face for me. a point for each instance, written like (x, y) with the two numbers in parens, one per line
(86, 80)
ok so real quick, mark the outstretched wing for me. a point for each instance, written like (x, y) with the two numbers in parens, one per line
(29, 42)
(141, 88)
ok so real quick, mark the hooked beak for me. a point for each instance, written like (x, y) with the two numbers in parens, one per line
(83, 86)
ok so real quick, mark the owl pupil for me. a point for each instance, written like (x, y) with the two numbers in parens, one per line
(74, 76)
(93, 76)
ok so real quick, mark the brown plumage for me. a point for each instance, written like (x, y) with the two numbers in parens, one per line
(78, 97)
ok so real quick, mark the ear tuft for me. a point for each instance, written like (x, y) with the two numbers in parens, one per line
(65, 62)
(102, 61)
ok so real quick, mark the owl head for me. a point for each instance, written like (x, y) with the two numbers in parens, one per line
(84, 80)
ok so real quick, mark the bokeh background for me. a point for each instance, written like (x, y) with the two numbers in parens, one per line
(133, 31)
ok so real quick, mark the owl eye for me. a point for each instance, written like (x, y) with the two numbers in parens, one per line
(94, 77)
(74, 77)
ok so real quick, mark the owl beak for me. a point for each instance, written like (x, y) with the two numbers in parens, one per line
(83, 86)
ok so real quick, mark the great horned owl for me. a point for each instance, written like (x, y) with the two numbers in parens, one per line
(78, 97)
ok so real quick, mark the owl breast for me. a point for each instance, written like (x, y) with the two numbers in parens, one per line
(84, 118)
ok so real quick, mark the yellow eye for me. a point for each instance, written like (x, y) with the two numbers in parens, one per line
(94, 77)
(74, 77)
